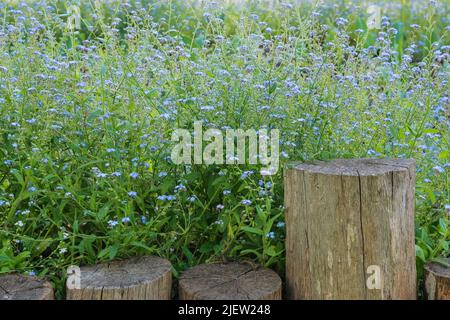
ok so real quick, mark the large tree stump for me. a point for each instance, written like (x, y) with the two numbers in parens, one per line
(437, 281)
(350, 229)
(230, 281)
(20, 287)
(140, 278)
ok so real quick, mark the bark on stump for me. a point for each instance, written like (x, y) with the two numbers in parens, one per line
(20, 287)
(139, 278)
(437, 281)
(230, 281)
(344, 220)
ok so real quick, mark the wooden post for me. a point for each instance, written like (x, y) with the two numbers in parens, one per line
(231, 281)
(350, 229)
(437, 281)
(20, 287)
(140, 278)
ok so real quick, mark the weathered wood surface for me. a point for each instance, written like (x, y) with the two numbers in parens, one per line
(21, 287)
(229, 281)
(139, 278)
(343, 216)
(437, 281)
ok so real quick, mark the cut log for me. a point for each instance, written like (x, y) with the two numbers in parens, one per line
(437, 281)
(139, 278)
(350, 229)
(20, 287)
(229, 281)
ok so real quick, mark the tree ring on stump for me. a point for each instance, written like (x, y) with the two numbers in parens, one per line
(229, 281)
(21, 287)
(138, 278)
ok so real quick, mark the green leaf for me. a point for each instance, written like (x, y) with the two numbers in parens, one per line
(272, 252)
(206, 247)
(252, 230)
(442, 226)
(441, 261)
(420, 254)
(188, 254)
(41, 247)
(141, 245)
(113, 251)
(251, 251)
(444, 245)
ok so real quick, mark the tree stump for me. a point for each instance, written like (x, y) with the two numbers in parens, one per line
(139, 278)
(437, 281)
(350, 229)
(20, 287)
(229, 281)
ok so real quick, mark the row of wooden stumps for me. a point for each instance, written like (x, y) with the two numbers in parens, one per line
(349, 235)
(150, 278)
(236, 281)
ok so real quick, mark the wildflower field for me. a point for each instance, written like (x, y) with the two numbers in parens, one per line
(91, 91)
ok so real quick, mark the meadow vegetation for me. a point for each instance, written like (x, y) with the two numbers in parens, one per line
(86, 116)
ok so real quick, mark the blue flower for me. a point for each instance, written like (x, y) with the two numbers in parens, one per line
(132, 194)
(112, 223)
(263, 193)
(438, 169)
(270, 235)
(281, 224)
(246, 202)
(180, 187)
(246, 174)
(134, 175)
(126, 219)
(143, 219)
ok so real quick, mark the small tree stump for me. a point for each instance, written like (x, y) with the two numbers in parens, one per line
(139, 278)
(230, 281)
(437, 281)
(350, 229)
(20, 287)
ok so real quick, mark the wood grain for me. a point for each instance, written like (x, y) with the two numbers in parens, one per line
(437, 281)
(230, 281)
(343, 216)
(139, 278)
(21, 287)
